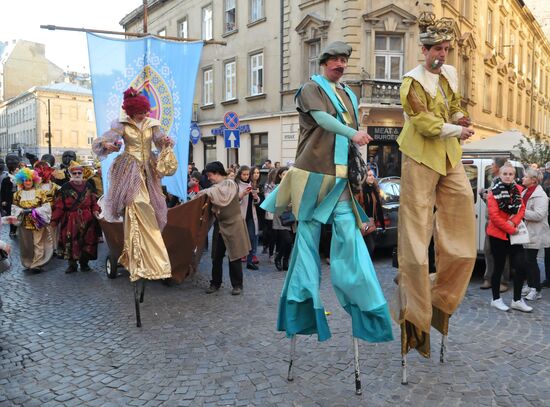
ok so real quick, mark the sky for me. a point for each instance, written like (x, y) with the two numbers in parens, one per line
(21, 19)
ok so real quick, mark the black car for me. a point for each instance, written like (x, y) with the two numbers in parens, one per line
(389, 192)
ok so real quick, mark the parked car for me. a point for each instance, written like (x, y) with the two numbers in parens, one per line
(389, 192)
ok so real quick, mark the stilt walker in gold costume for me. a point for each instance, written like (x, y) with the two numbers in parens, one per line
(135, 191)
(436, 197)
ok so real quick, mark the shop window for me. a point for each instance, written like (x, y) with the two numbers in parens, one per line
(259, 148)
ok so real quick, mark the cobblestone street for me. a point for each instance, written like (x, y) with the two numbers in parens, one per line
(71, 340)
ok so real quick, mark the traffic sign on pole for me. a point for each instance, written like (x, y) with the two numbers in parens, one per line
(231, 120)
(232, 138)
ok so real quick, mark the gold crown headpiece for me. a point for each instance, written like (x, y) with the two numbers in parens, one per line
(434, 31)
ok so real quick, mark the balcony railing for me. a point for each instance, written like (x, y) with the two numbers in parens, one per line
(380, 92)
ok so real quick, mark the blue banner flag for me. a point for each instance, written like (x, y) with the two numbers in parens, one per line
(165, 71)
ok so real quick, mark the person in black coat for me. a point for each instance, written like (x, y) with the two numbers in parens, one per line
(371, 201)
(8, 187)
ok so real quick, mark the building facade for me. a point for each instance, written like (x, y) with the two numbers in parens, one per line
(25, 120)
(24, 65)
(501, 55)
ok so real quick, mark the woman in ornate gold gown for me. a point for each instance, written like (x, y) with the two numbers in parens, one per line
(135, 191)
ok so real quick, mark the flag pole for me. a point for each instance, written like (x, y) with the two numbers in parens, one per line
(145, 16)
(129, 34)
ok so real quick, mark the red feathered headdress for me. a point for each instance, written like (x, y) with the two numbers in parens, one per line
(44, 170)
(135, 103)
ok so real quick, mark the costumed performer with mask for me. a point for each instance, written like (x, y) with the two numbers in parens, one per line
(31, 207)
(135, 191)
(318, 188)
(432, 177)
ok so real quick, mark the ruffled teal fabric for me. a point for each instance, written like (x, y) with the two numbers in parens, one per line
(301, 309)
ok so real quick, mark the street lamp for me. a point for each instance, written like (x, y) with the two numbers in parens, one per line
(49, 135)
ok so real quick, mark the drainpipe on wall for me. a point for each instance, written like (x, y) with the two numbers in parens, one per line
(531, 113)
(281, 53)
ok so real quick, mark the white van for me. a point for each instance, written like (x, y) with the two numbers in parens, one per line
(478, 170)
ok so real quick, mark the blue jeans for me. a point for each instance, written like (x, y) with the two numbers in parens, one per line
(253, 239)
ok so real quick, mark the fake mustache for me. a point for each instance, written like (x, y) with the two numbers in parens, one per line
(340, 70)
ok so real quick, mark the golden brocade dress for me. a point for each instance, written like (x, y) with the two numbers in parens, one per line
(136, 193)
(35, 244)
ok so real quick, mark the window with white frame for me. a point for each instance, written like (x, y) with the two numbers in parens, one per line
(256, 10)
(465, 72)
(520, 58)
(466, 8)
(207, 23)
(313, 49)
(258, 148)
(500, 95)
(256, 74)
(518, 108)
(487, 93)
(510, 110)
(501, 38)
(489, 32)
(388, 57)
(230, 16)
(230, 74)
(183, 28)
(207, 86)
(209, 149)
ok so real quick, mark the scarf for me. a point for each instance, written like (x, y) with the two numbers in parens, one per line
(507, 196)
(528, 193)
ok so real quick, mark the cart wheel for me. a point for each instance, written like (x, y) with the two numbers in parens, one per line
(111, 267)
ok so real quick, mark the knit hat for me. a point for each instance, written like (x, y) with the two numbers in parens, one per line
(333, 49)
(215, 167)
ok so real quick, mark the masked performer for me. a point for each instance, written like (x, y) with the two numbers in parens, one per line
(45, 171)
(319, 191)
(75, 210)
(433, 176)
(31, 207)
(62, 175)
(135, 191)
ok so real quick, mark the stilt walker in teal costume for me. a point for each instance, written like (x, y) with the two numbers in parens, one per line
(318, 189)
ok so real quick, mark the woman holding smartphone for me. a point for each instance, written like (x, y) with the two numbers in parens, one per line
(249, 198)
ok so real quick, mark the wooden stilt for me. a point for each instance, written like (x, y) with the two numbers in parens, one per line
(142, 290)
(442, 350)
(290, 376)
(404, 380)
(136, 301)
(358, 389)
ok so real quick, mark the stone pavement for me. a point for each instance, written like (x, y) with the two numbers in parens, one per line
(71, 340)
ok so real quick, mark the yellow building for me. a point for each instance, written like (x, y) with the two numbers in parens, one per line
(23, 65)
(501, 54)
(503, 58)
(65, 108)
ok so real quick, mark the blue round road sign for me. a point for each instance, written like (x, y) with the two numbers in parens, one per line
(231, 120)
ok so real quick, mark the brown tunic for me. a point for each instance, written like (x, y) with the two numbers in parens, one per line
(231, 223)
(315, 152)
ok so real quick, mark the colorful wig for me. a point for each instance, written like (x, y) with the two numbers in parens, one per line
(135, 103)
(25, 174)
(44, 171)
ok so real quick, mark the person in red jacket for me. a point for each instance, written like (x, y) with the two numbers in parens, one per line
(506, 210)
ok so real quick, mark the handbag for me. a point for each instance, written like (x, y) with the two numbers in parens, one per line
(522, 237)
(287, 218)
(167, 163)
(5, 263)
(357, 168)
